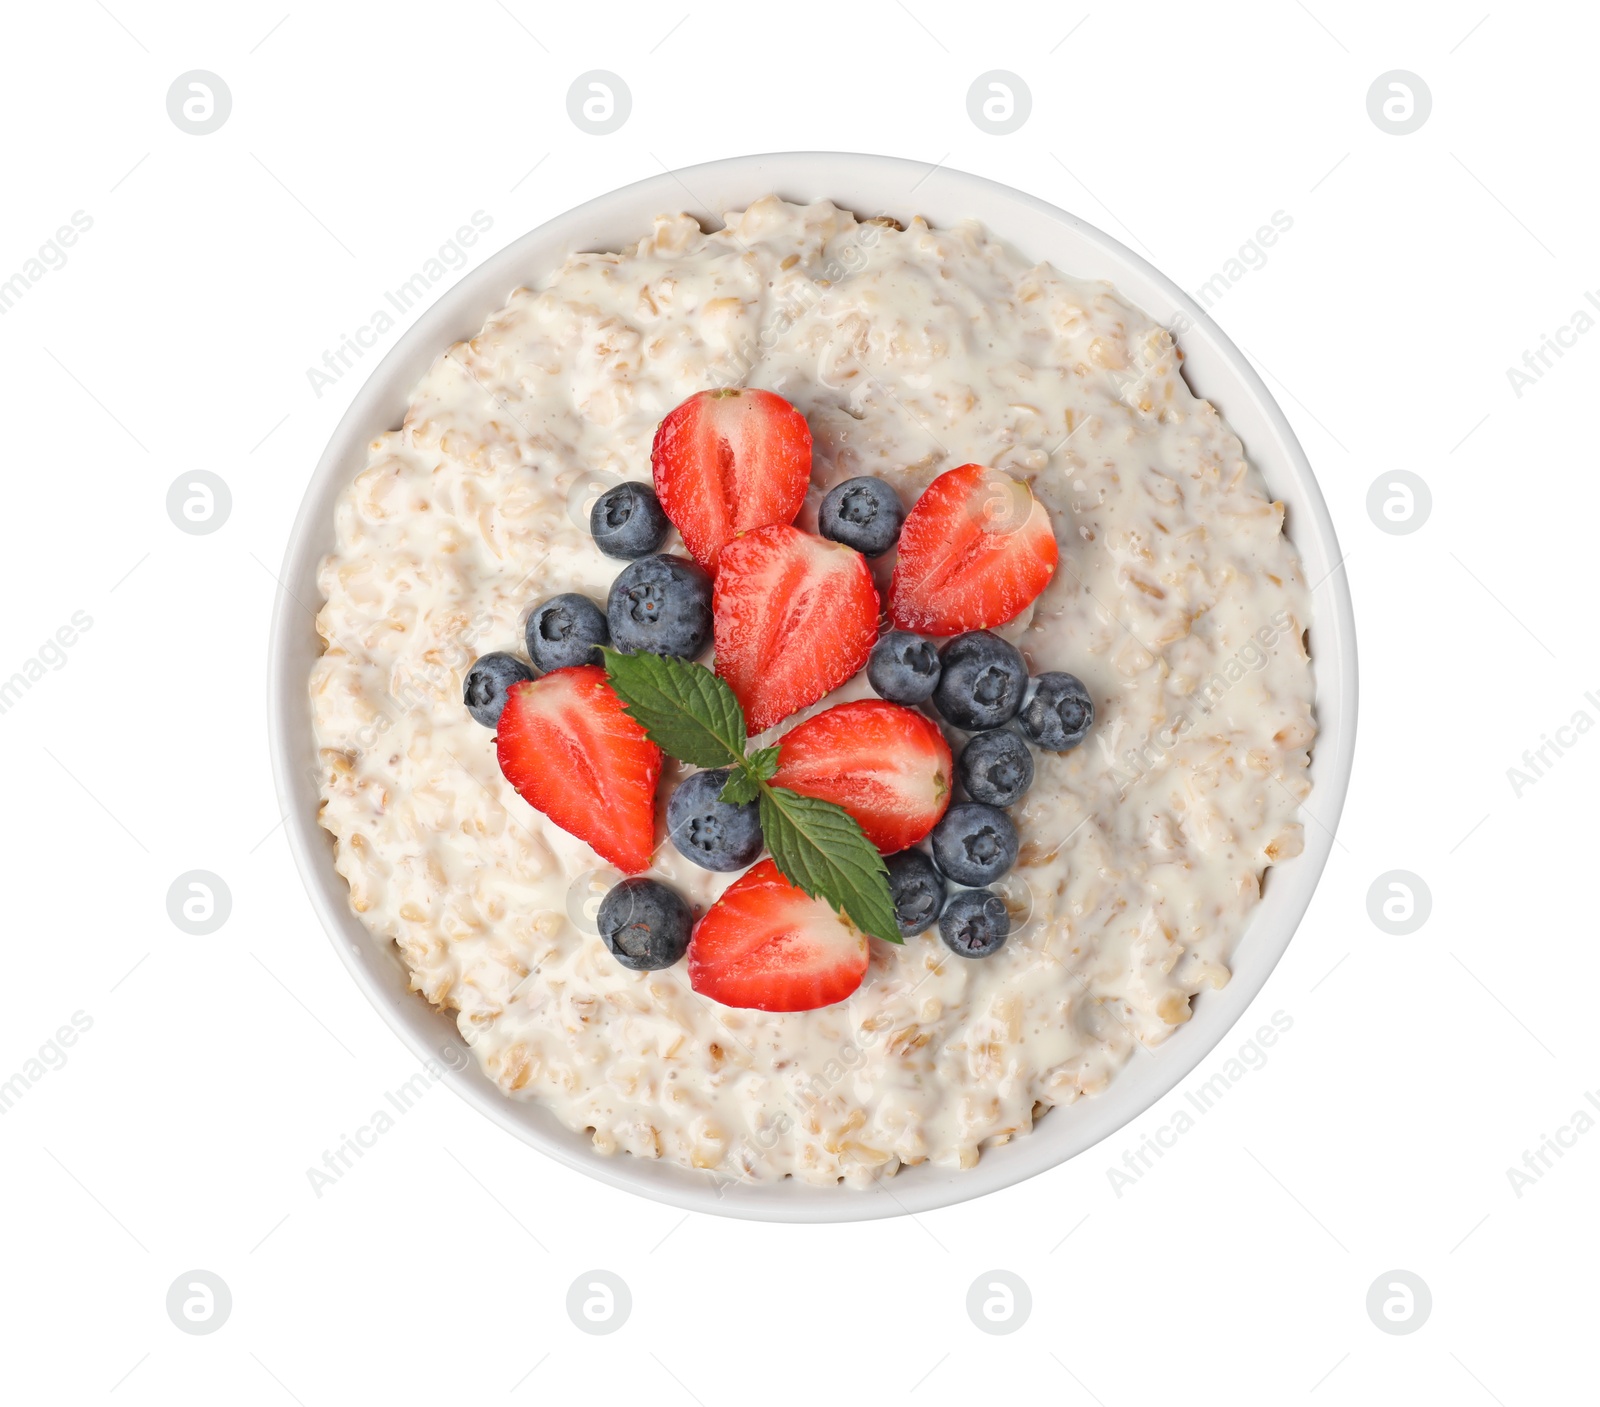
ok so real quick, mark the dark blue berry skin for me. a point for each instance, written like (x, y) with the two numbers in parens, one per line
(488, 683)
(975, 923)
(903, 668)
(974, 843)
(661, 604)
(1060, 713)
(981, 682)
(627, 522)
(863, 513)
(996, 767)
(566, 630)
(716, 835)
(644, 924)
(917, 889)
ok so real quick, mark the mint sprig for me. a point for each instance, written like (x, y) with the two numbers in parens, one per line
(683, 707)
(744, 783)
(740, 788)
(688, 711)
(821, 849)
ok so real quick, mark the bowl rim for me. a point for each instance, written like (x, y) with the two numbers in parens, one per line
(431, 1035)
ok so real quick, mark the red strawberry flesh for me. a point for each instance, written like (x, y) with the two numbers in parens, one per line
(976, 550)
(767, 945)
(571, 752)
(887, 765)
(727, 461)
(793, 617)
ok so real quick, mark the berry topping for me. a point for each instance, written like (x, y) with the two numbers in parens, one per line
(974, 844)
(975, 551)
(981, 682)
(1059, 714)
(795, 617)
(888, 766)
(627, 522)
(571, 752)
(904, 668)
(917, 888)
(644, 924)
(661, 605)
(566, 630)
(715, 834)
(995, 768)
(488, 683)
(975, 923)
(862, 513)
(728, 461)
(767, 944)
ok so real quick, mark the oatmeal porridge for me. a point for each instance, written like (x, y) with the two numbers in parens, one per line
(1140, 854)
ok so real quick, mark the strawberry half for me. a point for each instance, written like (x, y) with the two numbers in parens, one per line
(793, 616)
(728, 461)
(975, 551)
(768, 945)
(571, 752)
(888, 766)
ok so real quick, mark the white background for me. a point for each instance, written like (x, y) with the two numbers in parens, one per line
(178, 1133)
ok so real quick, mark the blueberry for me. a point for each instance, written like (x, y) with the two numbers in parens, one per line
(995, 768)
(644, 924)
(566, 630)
(981, 682)
(1059, 714)
(975, 923)
(627, 522)
(862, 513)
(716, 835)
(488, 683)
(917, 889)
(903, 668)
(661, 604)
(974, 843)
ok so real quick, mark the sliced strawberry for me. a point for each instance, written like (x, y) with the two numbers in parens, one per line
(888, 766)
(571, 752)
(728, 461)
(768, 945)
(793, 617)
(975, 551)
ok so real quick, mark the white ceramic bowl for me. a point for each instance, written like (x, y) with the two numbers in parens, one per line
(869, 185)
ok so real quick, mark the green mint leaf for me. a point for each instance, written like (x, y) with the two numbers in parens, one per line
(741, 787)
(683, 707)
(820, 848)
(745, 783)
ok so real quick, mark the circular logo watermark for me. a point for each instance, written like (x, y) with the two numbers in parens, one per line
(1398, 102)
(1399, 502)
(1399, 902)
(1017, 895)
(1000, 504)
(999, 1302)
(599, 1302)
(198, 102)
(998, 102)
(586, 492)
(584, 896)
(199, 502)
(598, 102)
(1399, 1302)
(199, 1302)
(199, 902)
